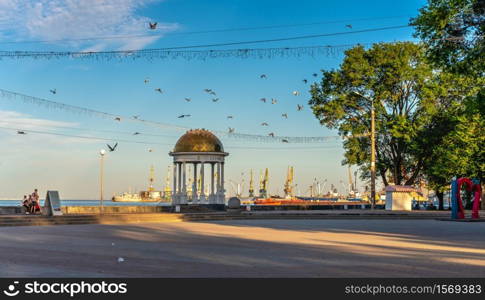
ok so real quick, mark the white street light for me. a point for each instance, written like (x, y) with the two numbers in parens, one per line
(102, 152)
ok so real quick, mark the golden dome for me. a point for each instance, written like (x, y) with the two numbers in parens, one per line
(198, 140)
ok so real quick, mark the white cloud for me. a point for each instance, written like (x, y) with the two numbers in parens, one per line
(13, 118)
(11, 141)
(73, 19)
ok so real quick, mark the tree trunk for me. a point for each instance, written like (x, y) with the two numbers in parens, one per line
(383, 176)
(416, 172)
(440, 200)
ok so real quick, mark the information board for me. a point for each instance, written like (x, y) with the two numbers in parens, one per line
(52, 205)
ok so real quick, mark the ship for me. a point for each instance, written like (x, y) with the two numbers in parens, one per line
(150, 195)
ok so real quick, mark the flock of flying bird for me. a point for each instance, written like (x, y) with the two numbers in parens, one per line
(212, 93)
(215, 99)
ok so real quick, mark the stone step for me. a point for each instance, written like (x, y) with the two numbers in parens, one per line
(35, 220)
(28, 220)
(207, 217)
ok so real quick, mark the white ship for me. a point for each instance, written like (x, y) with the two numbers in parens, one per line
(151, 195)
(143, 196)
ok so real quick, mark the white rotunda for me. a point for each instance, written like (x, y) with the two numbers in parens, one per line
(199, 148)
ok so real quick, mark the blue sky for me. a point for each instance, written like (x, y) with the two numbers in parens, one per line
(70, 165)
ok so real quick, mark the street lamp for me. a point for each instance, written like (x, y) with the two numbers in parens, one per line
(372, 151)
(102, 152)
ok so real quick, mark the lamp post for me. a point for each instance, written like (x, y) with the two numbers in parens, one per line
(102, 152)
(372, 151)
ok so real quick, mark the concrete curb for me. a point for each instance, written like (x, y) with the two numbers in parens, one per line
(37, 220)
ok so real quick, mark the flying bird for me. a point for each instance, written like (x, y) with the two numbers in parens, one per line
(285, 116)
(263, 76)
(136, 133)
(264, 124)
(159, 90)
(212, 93)
(231, 130)
(349, 26)
(112, 148)
(188, 99)
(136, 117)
(230, 117)
(147, 80)
(54, 91)
(121, 259)
(183, 116)
(315, 74)
(299, 107)
(285, 141)
(21, 132)
(271, 134)
(207, 90)
(215, 99)
(118, 119)
(305, 81)
(263, 99)
(296, 93)
(153, 25)
(274, 101)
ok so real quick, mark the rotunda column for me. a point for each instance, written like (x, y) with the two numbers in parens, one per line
(218, 189)
(212, 195)
(179, 177)
(212, 178)
(174, 191)
(202, 198)
(195, 198)
(184, 185)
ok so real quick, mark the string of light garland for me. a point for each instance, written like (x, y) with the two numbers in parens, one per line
(162, 54)
(75, 128)
(117, 118)
(96, 138)
(183, 52)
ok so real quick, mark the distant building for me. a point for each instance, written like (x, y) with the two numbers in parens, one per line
(400, 197)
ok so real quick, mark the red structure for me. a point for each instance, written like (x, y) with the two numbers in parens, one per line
(470, 186)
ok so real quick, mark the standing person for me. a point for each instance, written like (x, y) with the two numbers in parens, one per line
(35, 195)
(31, 202)
(36, 202)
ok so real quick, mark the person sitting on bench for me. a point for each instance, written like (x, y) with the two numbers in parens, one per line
(26, 203)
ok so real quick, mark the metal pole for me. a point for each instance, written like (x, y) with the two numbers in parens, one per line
(101, 182)
(373, 158)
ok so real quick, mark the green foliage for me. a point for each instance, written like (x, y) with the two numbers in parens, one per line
(461, 152)
(407, 94)
(454, 32)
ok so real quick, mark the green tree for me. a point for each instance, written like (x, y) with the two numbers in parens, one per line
(454, 32)
(407, 94)
(460, 151)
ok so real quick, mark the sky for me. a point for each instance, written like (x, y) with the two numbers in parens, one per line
(71, 164)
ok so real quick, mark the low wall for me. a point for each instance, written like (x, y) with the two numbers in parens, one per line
(71, 210)
(313, 207)
(11, 210)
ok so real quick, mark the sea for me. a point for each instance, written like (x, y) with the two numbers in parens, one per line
(87, 203)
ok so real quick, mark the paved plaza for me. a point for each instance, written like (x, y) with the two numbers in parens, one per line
(247, 248)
